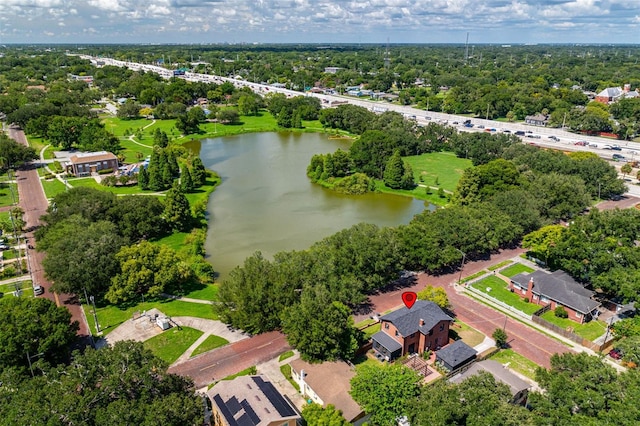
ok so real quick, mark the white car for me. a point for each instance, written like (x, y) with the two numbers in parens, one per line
(38, 290)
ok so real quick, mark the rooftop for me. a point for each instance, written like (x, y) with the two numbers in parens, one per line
(250, 401)
(407, 321)
(331, 381)
(498, 371)
(85, 157)
(456, 354)
(560, 287)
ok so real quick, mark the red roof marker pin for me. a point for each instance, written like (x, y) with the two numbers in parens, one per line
(409, 298)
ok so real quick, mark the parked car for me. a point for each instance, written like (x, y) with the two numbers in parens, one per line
(4, 247)
(38, 290)
(615, 353)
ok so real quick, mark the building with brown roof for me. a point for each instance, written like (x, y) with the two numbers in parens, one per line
(91, 162)
(327, 383)
(250, 401)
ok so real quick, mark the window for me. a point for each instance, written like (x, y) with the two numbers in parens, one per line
(386, 325)
(397, 334)
(544, 299)
(535, 297)
(442, 327)
(578, 315)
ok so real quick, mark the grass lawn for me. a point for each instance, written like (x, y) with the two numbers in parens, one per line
(209, 344)
(469, 335)
(590, 330)
(286, 372)
(52, 187)
(371, 330)
(499, 291)
(251, 371)
(205, 190)
(111, 316)
(499, 265)
(287, 354)
(175, 240)
(132, 149)
(172, 342)
(417, 192)
(516, 362)
(473, 276)
(202, 291)
(6, 199)
(11, 287)
(91, 183)
(516, 269)
(445, 166)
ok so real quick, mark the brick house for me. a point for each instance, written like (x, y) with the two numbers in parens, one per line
(250, 401)
(85, 163)
(614, 94)
(425, 326)
(557, 289)
(537, 119)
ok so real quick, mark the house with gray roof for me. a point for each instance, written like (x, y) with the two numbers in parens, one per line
(405, 331)
(519, 388)
(557, 289)
(456, 355)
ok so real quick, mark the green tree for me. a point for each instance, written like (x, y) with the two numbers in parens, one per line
(198, 172)
(315, 415)
(543, 240)
(147, 269)
(321, 329)
(437, 295)
(177, 212)
(500, 337)
(228, 116)
(81, 255)
(186, 182)
(32, 326)
(129, 110)
(14, 153)
(138, 218)
(394, 171)
(92, 204)
(143, 177)
(120, 385)
(625, 169)
(385, 391)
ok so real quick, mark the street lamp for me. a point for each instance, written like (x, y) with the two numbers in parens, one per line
(464, 256)
(91, 300)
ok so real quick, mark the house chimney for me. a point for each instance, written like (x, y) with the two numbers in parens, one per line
(627, 88)
(421, 322)
(530, 285)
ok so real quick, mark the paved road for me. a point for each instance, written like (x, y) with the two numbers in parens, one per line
(34, 203)
(233, 358)
(524, 340)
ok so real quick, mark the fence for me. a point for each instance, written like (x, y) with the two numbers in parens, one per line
(570, 335)
(497, 302)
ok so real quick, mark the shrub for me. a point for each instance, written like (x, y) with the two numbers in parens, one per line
(48, 176)
(105, 171)
(500, 336)
(526, 300)
(561, 312)
(441, 192)
(56, 166)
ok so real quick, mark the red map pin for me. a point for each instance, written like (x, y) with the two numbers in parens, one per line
(409, 298)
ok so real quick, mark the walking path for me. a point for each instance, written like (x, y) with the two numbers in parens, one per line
(131, 138)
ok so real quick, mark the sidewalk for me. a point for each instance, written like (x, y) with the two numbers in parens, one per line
(271, 369)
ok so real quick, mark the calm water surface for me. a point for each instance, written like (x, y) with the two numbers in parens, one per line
(266, 202)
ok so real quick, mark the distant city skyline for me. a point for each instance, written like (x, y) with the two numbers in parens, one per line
(320, 21)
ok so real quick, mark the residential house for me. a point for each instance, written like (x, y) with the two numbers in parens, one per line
(331, 70)
(456, 355)
(250, 401)
(614, 94)
(328, 383)
(91, 162)
(537, 119)
(557, 289)
(425, 326)
(518, 387)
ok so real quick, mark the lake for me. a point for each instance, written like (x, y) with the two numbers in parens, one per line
(267, 203)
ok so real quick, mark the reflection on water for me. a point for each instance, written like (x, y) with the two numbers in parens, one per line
(266, 202)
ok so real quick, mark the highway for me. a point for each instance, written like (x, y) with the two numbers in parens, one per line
(566, 140)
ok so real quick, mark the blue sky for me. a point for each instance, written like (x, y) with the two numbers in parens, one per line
(319, 21)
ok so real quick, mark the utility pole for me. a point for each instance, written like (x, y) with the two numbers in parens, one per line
(466, 50)
(464, 256)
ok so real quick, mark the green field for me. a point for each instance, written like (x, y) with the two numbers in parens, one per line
(500, 265)
(172, 343)
(444, 166)
(516, 362)
(8, 194)
(285, 355)
(466, 333)
(516, 269)
(590, 330)
(499, 291)
(52, 187)
(111, 316)
(210, 343)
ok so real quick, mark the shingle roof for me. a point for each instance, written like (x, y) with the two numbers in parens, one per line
(407, 321)
(498, 371)
(560, 287)
(89, 157)
(456, 354)
(387, 341)
(611, 92)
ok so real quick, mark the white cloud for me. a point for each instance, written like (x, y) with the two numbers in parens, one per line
(345, 20)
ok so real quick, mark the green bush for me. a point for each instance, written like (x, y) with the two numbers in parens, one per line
(105, 171)
(57, 167)
(526, 300)
(561, 312)
(48, 175)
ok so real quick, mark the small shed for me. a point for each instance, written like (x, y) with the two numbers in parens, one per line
(456, 355)
(163, 323)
